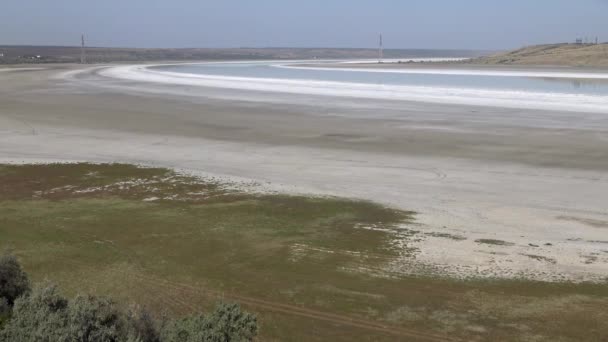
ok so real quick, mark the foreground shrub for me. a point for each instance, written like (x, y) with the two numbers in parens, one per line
(5, 312)
(13, 280)
(142, 326)
(44, 315)
(40, 316)
(227, 323)
(95, 319)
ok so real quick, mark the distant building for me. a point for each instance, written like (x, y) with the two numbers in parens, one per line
(581, 41)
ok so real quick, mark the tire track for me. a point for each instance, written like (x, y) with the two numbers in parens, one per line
(189, 291)
(300, 311)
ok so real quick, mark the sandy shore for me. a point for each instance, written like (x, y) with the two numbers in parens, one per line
(536, 180)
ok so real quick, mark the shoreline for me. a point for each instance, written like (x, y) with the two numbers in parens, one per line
(466, 66)
(424, 94)
(524, 177)
(439, 253)
(441, 68)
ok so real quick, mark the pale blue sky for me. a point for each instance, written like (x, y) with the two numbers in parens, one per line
(476, 24)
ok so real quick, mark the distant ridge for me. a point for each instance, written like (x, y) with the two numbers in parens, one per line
(582, 55)
(71, 54)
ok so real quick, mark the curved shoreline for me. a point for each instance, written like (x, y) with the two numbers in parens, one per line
(429, 69)
(517, 184)
(425, 94)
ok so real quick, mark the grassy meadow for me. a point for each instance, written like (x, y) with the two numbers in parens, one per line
(311, 268)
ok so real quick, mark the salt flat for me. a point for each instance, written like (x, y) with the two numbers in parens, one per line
(524, 188)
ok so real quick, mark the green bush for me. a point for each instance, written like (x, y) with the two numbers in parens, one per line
(44, 315)
(5, 312)
(143, 327)
(13, 280)
(93, 319)
(184, 330)
(228, 323)
(40, 316)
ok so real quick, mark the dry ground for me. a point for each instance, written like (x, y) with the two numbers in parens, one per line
(308, 266)
(584, 55)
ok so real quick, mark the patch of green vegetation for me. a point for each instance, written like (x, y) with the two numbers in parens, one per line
(178, 244)
(494, 242)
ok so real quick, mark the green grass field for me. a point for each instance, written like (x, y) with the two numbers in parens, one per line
(307, 266)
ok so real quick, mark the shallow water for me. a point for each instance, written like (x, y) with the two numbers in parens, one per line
(272, 70)
(523, 89)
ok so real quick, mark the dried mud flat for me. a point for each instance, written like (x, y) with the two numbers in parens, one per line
(499, 193)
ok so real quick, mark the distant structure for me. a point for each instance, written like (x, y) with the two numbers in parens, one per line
(83, 52)
(380, 50)
(581, 41)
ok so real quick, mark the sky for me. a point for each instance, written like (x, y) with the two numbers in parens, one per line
(449, 24)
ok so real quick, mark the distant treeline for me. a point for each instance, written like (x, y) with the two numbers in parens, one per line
(42, 314)
(67, 54)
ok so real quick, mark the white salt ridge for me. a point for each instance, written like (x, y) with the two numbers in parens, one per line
(403, 60)
(459, 72)
(449, 95)
(19, 69)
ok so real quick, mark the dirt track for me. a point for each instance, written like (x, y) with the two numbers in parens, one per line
(304, 312)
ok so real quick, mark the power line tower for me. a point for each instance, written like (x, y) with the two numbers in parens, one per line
(380, 50)
(83, 52)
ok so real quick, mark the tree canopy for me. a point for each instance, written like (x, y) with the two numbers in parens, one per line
(45, 315)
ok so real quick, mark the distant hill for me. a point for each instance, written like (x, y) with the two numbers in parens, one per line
(584, 55)
(67, 54)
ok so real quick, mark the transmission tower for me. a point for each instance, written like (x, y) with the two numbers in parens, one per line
(380, 50)
(83, 52)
